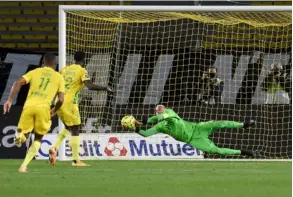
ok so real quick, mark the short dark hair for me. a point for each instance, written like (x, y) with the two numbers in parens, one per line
(79, 56)
(49, 58)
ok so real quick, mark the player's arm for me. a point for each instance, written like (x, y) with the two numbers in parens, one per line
(15, 89)
(60, 94)
(60, 101)
(88, 83)
(158, 118)
(95, 87)
(153, 119)
(148, 132)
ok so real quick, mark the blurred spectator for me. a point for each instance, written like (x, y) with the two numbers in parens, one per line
(211, 87)
(275, 85)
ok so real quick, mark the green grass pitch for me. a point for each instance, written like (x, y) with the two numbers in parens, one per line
(147, 179)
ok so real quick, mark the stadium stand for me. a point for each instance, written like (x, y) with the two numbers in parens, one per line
(272, 2)
(34, 25)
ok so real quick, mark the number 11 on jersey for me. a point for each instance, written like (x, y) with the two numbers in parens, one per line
(44, 83)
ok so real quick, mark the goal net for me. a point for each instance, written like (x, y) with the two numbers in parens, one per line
(170, 58)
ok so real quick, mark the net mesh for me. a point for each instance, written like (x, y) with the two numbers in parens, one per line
(154, 58)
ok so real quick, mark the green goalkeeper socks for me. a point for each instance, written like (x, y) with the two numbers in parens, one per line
(225, 151)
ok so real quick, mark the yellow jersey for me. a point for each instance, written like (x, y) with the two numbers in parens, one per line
(45, 83)
(74, 76)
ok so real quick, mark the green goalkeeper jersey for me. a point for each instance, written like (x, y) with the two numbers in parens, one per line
(171, 124)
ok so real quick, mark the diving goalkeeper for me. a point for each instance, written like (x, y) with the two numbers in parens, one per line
(195, 134)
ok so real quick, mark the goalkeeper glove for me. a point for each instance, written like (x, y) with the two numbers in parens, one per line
(144, 120)
(137, 129)
(140, 123)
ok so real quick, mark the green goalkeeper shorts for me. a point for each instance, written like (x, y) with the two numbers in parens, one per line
(203, 144)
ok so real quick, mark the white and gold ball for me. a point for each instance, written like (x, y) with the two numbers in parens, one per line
(128, 122)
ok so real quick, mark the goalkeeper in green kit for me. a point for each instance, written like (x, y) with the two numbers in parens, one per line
(194, 134)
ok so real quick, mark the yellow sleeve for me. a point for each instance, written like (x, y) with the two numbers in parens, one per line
(61, 87)
(84, 75)
(28, 76)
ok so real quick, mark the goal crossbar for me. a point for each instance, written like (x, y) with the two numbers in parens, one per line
(176, 8)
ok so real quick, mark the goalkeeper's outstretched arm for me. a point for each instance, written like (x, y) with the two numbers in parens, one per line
(162, 114)
(155, 119)
(158, 118)
(146, 133)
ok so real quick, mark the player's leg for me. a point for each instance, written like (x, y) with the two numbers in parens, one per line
(20, 137)
(61, 136)
(71, 119)
(74, 144)
(53, 150)
(211, 126)
(64, 115)
(206, 145)
(74, 141)
(32, 152)
(42, 123)
(25, 125)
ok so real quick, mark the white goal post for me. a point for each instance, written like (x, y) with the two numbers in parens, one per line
(248, 48)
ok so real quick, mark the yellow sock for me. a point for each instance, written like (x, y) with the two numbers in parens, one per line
(74, 144)
(22, 137)
(31, 153)
(61, 136)
(19, 138)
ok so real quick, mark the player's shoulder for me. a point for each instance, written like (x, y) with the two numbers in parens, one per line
(57, 75)
(81, 69)
(74, 67)
(170, 110)
(40, 69)
(37, 72)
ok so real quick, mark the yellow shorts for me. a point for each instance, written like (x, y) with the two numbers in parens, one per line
(69, 114)
(35, 118)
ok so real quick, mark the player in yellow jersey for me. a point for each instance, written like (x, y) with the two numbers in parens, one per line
(45, 83)
(75, 78)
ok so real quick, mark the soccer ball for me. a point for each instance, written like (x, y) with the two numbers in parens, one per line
(128, 122)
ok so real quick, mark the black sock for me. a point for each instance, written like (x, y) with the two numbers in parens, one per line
(249, 123)
(74, 161)
(247, 152)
